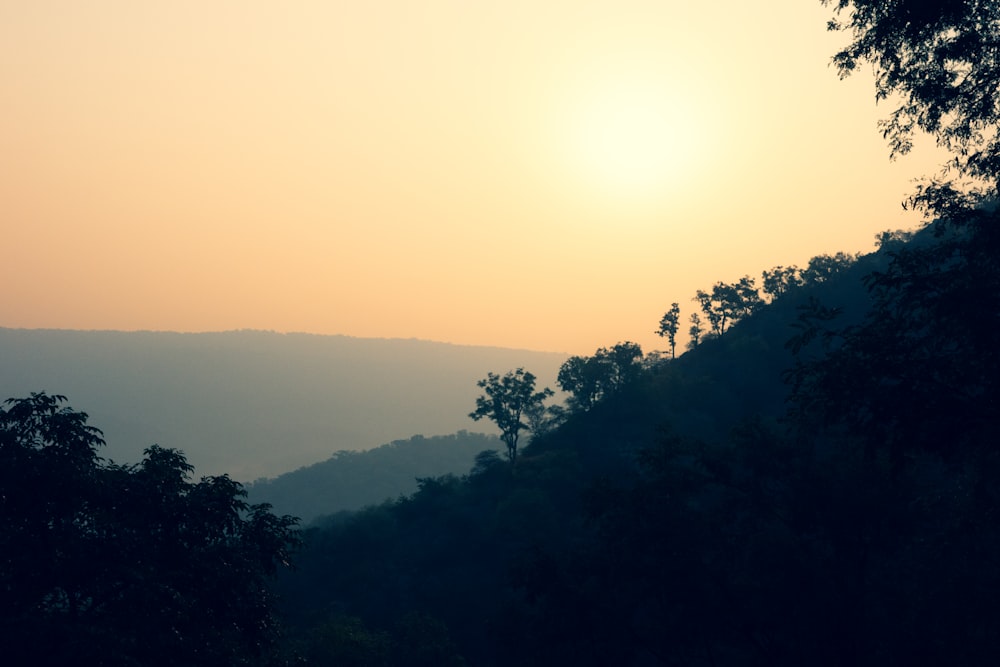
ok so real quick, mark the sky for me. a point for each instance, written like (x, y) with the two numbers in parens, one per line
(543, 174)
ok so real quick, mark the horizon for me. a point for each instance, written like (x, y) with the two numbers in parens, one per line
(524, 177)
(282, 333)
(252, 403)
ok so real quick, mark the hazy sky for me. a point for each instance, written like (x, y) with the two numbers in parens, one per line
(545, 174)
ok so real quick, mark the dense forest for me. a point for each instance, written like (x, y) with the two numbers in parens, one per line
(815, 480)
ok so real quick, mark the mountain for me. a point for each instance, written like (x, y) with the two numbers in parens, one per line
(253, 403)
(638, 507)
(351, 480)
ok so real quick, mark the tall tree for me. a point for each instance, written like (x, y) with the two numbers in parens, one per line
(670, 324)
(696, 331)
(508, 401)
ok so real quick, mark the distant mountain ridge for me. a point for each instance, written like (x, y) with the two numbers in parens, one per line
(253, 403)
(352, 480)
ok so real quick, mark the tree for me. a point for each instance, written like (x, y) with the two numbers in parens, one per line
(727, 303)
(925, 356)
(590, 379)
(346, 641)
(114, 564)
(939, 59)
(895, 239)
(695, 331)
(580, 377)
(508, 401)
(624, 364)
(780, 280)
(670, 324)
(822, 267)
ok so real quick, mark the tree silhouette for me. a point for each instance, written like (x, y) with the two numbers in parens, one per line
(115, 564)
(780, 280)
(695, 331)
(925, 357)
(580, 377)
(508, 402)
(670, 324)
(823, 267)
(940, 60)
(590, 379)
(727, 303)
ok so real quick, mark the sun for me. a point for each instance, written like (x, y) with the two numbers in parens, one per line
(632, 139)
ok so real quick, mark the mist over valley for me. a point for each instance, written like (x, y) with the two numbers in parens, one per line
(252, 403)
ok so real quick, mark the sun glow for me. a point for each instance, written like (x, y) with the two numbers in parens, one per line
(633, 139)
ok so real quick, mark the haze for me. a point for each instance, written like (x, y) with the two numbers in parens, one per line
(531, 175)
(251, 403)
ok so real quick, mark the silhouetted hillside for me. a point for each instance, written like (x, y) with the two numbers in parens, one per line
(691, 517)
(708, 390)
(350, 480)
(253, 403)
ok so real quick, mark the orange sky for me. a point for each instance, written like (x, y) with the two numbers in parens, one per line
(543, 174)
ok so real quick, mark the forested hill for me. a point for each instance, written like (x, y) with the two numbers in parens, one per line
(253, 403)
(816, 482)
(797, 489)
(351, 480)
(713, 386)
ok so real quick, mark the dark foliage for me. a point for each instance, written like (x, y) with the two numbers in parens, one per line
(106, 564)
(511, 403)
(862, 527)
(938, 61)
(589, 380)
(919, 373)
(684, 518)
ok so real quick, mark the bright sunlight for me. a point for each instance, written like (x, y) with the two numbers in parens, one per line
(633, 140)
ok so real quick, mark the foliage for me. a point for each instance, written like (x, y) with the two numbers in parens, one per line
(730, 538)
(925, 359)
(727, 303)
(891, 240)
(346, 642)
(938, 61)
(781, 280)
(859, 528)
(771, 550)
(670, 324)
(822, 268)
(696, 331)
(508, 401)
(589, 380)
(114, 564)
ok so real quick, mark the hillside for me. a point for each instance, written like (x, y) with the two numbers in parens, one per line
(351, 480)
(253, 403)
(710, 512)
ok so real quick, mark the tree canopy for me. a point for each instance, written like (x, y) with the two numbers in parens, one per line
(508, 402)
(728, 303)
(670, 324)
(939, 62)
(588, 380)
(126, 564)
